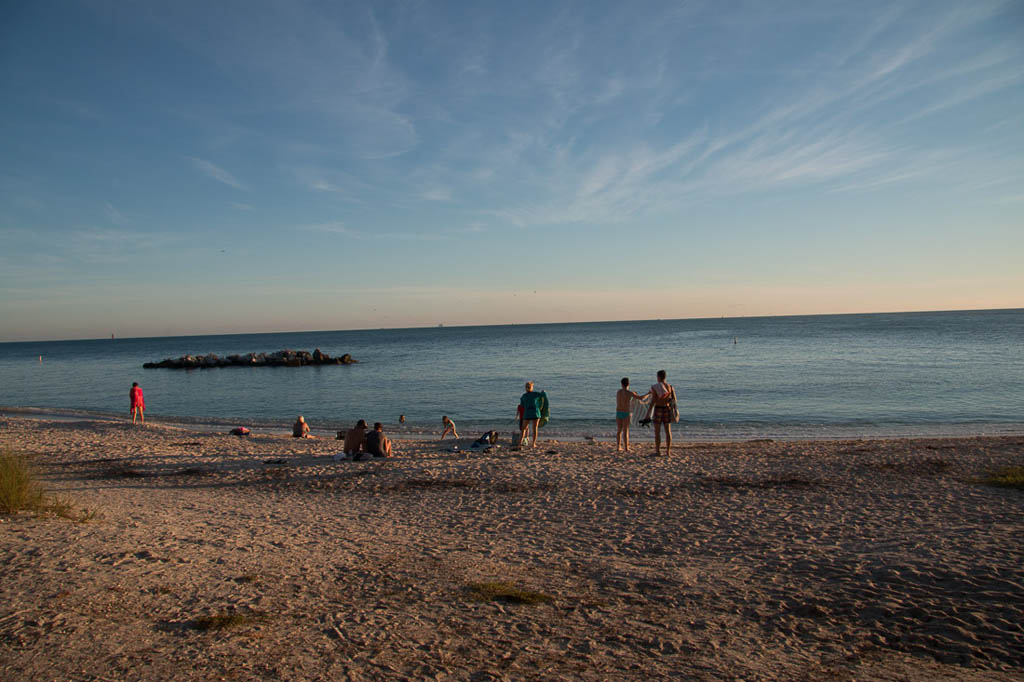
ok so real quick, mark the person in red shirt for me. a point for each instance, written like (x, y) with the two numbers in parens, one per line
(138, 403)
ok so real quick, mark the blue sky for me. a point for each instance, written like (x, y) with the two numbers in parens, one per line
(180, 168)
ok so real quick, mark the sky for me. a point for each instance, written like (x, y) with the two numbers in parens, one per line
(172, 168)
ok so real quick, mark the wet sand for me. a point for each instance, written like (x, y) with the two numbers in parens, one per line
(835, 560)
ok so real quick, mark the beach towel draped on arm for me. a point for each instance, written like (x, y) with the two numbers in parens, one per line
(545, 413)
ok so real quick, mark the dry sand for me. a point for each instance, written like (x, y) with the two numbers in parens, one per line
(869, 560)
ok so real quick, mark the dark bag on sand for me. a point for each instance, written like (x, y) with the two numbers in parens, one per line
(240, 431)
(489, 438)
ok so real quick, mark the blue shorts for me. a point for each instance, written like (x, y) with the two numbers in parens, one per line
(621, 415)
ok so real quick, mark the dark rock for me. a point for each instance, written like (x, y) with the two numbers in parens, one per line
(281, 358)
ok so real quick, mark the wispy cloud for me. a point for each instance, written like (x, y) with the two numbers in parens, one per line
(829, 128)
(597, 114)
(436, 194)
(210, 170)
(472, 228)
(331, 228)
(337, 182)
(114, 215)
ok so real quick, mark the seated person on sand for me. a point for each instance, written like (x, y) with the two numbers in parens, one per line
(355, 439)
(300, 429)
(377, 444)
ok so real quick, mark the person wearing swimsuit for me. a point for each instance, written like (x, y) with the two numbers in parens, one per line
(622, 414)
(662, 394)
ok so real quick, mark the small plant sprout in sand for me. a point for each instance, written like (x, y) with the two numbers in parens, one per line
(226, 620)
(506, 592)
(1009, 477)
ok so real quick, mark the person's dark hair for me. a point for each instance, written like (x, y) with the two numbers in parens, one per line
(134, 384)
(361, 424)
(443, 417)
(377, 426)
(661, 375)
(625, 382)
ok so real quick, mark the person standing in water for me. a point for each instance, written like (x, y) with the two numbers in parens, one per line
(138, 403)
(532, 404)
(662, 394)
(623, 397)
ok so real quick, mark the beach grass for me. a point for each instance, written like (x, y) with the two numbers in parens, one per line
(21, 491)
(62, 507)
(1008, 477)
(506, 592)
(226, 620)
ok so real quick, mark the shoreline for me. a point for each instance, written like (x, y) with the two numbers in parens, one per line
(880, 559)
(602, 431)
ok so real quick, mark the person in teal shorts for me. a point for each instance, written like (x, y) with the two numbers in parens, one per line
(623, 398)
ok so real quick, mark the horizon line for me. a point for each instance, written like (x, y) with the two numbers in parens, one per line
(517, 324)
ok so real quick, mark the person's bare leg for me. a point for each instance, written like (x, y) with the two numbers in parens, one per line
(625, 434)
(142, 415)
(618, 436)
(536, 425)
(134, 413)
(668, 438)
(657, 439)
(522, 433)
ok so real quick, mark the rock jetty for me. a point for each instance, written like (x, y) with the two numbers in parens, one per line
(282, 358)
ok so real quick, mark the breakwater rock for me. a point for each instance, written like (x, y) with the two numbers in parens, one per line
(282, 358)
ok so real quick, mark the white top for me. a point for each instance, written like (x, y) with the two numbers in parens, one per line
(660, 389)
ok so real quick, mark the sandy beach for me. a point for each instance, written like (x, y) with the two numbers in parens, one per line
(217, 557)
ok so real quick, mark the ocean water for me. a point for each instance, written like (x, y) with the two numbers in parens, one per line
(821, 376)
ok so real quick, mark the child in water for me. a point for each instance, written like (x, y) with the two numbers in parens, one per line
(623, 397)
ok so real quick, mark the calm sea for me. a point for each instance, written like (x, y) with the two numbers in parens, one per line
(775, 377)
